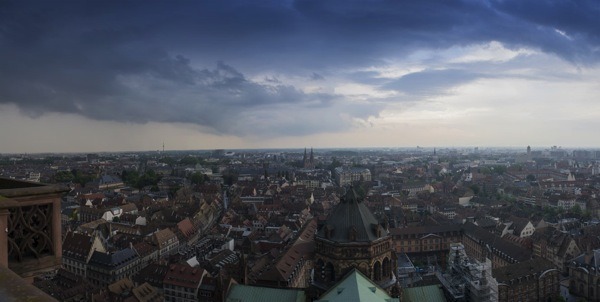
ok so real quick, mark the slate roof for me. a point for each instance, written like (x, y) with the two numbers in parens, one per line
(113, 261)
(490, 240)
(355, 287)
(351, 213)
(591, 258)
(486, 223)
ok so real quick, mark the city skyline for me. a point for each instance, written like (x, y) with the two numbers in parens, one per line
(125, 76)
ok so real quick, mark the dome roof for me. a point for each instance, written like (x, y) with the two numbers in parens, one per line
(351, 221)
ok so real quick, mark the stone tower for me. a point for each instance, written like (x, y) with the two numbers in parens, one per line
(308, 162)
(353, 238)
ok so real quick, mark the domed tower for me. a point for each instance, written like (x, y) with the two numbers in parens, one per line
(353, 238)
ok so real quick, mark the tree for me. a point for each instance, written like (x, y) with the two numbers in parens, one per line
(475, 189)
(229, 178)
(549, 213)
(134, 179)
(150, 178)
(576, 209)
(167, 160)
(485, 170)
(130, 177)
(587, 214)
(334, 164)
(198, 178)
(81, 178)
(360, 191)
(530, 177)
(64, 176)
(188, 161)
(499, 169)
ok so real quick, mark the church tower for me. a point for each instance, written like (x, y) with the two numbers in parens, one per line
(304, 158)
(308, 162)
(353, 238)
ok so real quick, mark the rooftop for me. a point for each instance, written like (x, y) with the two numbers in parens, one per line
(429, 293)
(534, 267)
(355, 287)
(351, 221)
(247, 293)
(77, 246)
(113, 260)
(184, 276)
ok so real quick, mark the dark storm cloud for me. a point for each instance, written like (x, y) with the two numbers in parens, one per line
(143, 61)
(384, 27)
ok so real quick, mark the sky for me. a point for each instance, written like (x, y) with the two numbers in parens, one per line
(90, 76)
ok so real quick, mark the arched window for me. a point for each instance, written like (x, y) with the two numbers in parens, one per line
(320, 270)
(386, 267)
(329, 272)
(377, 271)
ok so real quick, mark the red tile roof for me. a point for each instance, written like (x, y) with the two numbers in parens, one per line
(184, 276)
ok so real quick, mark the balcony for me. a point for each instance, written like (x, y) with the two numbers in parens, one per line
(30, 236)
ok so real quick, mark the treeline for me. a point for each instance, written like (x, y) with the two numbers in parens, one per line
(135, 179)
(75, 176)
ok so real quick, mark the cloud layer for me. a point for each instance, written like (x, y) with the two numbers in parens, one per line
(277, 68)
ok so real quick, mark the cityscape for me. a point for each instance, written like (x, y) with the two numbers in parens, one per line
(450, 224)
(299, 150)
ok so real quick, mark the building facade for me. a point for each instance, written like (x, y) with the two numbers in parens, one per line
(426, 244)
(182, 283)
(481, 244)
(347, 175)
(106, 268)
(77, 251)
(531, 280)
(353, 238)
(585, 276)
